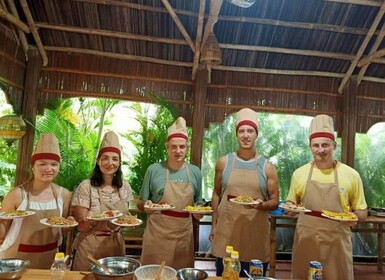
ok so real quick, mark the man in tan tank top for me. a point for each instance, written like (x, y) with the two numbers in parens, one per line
(246, 228)
(325, 184)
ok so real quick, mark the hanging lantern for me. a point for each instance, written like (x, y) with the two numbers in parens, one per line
(12, 128)
(211, 53)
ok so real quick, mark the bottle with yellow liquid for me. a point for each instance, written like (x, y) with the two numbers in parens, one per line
(235, 267)
(226, 263)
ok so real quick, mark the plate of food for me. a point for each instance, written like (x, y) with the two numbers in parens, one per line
(159, 206)
(339, 216)
(198, 209)
(127, 221)
(244, 200)
(56, 221)
(104, 215)
(292, 207)
(14, 214)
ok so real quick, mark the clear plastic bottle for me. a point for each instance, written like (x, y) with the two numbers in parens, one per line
(58, 268)
(226, 263)
(235, 266)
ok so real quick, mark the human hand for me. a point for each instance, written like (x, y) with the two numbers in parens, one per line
(198, 216)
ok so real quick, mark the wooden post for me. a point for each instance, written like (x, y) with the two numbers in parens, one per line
(349, 122)
(28, 111)
(199, 116)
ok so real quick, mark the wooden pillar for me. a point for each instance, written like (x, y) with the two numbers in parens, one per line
(28, 111)
(349, 122)
(199, 116)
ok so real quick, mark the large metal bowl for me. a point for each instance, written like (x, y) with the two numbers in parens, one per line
(121, 268)
(191, 274)
(13, 268)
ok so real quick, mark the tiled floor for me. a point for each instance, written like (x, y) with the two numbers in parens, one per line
(362, 271)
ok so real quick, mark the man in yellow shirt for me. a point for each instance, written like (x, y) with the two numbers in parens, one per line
(325, 184)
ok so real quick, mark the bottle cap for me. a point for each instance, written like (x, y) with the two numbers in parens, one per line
(235, 254)
(229, 249)
(59, 256)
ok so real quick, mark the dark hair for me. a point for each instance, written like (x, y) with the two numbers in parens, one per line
(97, 177)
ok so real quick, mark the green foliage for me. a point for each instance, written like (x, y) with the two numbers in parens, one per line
(149, 140)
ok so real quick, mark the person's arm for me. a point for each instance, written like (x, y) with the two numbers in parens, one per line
(216, 197)
(10, 202)
(80, 214)
(145, 193)
(272, 189)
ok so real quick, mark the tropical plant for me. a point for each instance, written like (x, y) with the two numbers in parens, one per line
(149, 139)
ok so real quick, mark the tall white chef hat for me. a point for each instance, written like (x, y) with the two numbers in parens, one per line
(321, 126)
(178, 129)
(47, 147)
(246, 116)
(110, 143)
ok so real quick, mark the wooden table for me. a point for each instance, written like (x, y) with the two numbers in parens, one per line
(42, 274)
(290, 222)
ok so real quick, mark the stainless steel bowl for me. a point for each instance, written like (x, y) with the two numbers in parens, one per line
(121, 268)
(191, 274)
(13, 268)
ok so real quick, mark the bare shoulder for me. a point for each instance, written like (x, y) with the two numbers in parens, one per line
(270, 169)
(221, 163)
(13, 199)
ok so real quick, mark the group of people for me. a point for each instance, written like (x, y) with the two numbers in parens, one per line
(322, 184)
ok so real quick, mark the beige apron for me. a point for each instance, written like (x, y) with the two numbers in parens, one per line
(36, 242)
(321, 239)
(169, 235)
(247, 230)
(103, 240)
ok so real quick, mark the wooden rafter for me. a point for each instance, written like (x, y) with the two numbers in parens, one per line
(371, 57)
(358, 2)
(373, 50)
(362, 47)
(179, 24)
(34, 32)
(23, 39)
(198, 38)
(15, 21)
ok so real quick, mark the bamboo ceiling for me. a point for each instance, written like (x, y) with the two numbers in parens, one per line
(313, 47)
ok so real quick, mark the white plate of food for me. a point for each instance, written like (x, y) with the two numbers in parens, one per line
(291, 207)
(127, 221)
(160, 206)
(104, 215)
(339, 216)
(59, 222)
(14, 214)
(244, 200)
(198, 209)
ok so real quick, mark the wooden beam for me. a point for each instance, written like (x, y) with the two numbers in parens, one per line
(362, 48)
(199, 116)
(349, 122)
(198, 39)
(179, 24)
(371, 57)
(120, 56)
(341, 56)
(28, 111)
(22, 37)
(358, 2)
(15, 21)
(35, 34)
(373, 50)
(112, 34)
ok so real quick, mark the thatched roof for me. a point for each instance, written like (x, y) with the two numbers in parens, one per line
(330, 38)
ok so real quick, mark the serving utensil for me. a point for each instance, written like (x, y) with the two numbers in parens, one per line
(159, 272)
(105, 269)
(248, 274)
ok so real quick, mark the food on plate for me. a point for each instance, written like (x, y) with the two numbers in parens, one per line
(56, 220)
(13, 213)
(293, 206)
(339, 215)
(104, 214)
(244, 198)
(160, 205)
(127, 220)
(198, 208)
